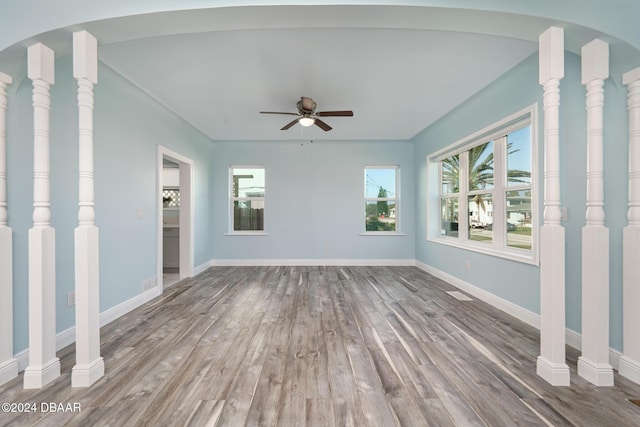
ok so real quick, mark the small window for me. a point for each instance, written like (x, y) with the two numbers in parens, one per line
(381, 198)
(247, 198)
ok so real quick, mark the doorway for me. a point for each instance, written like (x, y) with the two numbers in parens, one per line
(175, 217)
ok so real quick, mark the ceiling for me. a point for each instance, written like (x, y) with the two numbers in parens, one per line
(397, 82)
(398, 68)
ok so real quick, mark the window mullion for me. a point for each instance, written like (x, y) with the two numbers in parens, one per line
(463, 210)
(499, 196)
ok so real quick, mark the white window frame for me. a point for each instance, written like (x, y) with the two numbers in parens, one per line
(233, 199)
(395, 199)
(498, 246)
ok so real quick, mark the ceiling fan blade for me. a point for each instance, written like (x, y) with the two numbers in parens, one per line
(345, 113)
(322, 125)
(278, 112)
(288, 125)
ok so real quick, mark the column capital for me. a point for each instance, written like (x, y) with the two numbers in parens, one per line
(85, 56)
(631, 76)
(595, 61)
(551, 54)
(40, 60)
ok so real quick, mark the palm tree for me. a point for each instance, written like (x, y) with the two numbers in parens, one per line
(480, 171)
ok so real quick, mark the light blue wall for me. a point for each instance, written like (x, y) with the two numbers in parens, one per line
(314, 207)
(515, 91)
(128, 128)
(518, 88)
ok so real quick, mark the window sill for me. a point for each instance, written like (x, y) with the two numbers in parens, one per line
(381, 233)
(247, 233)
(524, 258)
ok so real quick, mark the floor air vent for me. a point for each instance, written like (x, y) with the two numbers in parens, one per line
(635, 401)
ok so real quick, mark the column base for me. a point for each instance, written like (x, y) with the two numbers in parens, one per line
(600, 374)
(629, 368)
(39, 376)
(8, 370)
(556, 374)
(85, 375)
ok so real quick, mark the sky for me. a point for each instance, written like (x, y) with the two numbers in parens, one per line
(377, 177)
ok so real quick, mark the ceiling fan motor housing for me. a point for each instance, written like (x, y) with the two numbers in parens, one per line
(306, 106)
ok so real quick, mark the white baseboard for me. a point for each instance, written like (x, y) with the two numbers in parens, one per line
(573, 338)
(528, 317)
(68, 336)
(8, 370)
(629, 368)
(313, 262)
(202, 268)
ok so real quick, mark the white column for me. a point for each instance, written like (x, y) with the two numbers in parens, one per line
(8, 363)
(593, 364)
(629, 364)
(551, 364)
(44, 366)
(89, 365)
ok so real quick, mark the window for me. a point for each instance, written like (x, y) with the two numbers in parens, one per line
(247, 198)
(381, 198)
(486, 188)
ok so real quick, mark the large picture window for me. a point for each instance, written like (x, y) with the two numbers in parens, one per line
(381, 198)
(486, 190)
(247, 198)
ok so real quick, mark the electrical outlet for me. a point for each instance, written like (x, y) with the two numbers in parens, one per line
(71, 299)
(139, 213)
(467, 265)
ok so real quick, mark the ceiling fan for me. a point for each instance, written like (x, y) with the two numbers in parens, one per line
(307, 115)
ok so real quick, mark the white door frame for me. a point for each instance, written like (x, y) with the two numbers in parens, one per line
(186, 212)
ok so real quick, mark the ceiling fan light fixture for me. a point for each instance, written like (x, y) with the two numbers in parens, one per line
(306, 121)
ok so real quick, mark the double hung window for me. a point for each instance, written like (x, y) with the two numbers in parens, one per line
(247, 198)
(381, 199)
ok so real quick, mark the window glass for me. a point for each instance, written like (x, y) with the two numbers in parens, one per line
(519, 157)
(480, 208)
(247, 198)
(519, 219)
(381, 216)
(481, 167)
(381, 198)
(451, 174)
(248, 182)
(380, 182)
(449, 216)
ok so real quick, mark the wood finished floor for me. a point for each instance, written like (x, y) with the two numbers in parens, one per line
(321, 346)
